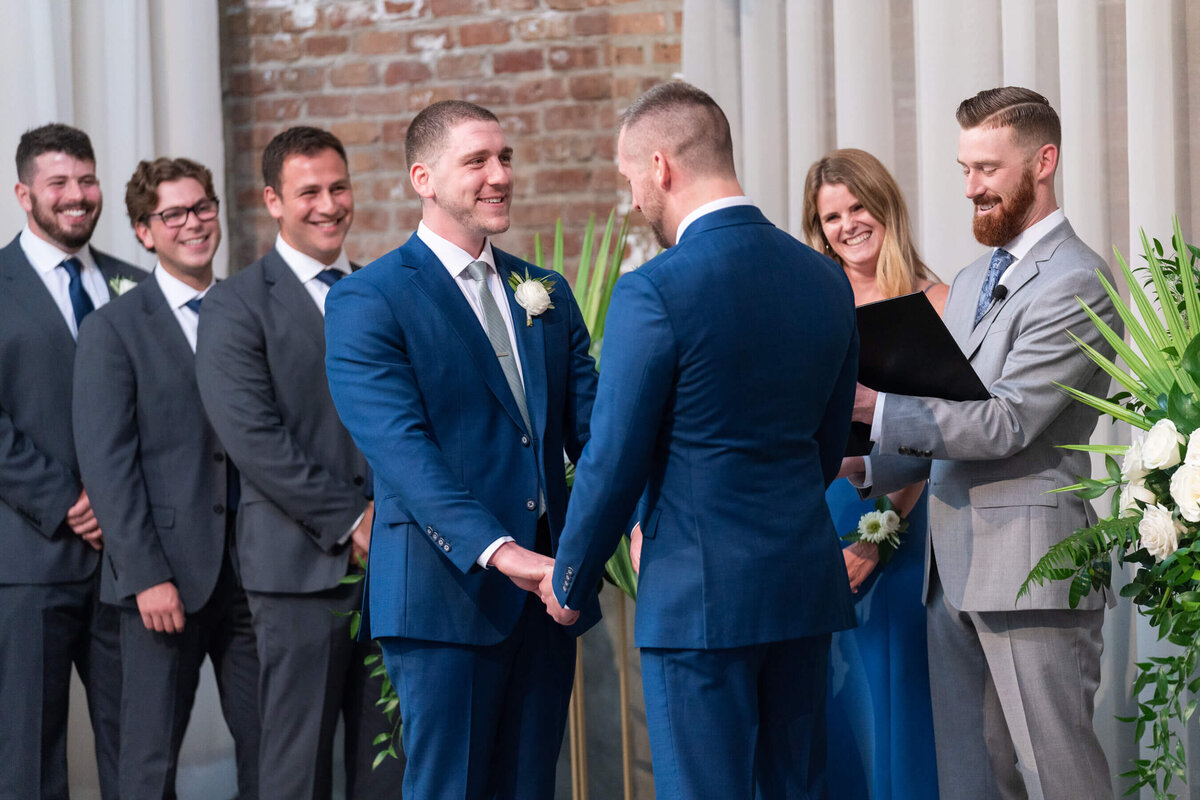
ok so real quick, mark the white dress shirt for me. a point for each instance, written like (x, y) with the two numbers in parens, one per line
(308, 268)
(178, 295)
(456, 260)
(710, 207)
(46, 259)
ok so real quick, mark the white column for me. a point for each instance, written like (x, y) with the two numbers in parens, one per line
(712, 59)
(1018, 23)
(958, 54)
(809, 133)
(863, 87)
(764, 107)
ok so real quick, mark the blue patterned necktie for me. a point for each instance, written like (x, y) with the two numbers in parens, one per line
(1000, 262)
(330, 276)
(81, 304)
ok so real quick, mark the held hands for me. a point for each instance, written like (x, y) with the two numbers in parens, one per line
(861, 560)
(360, 537)
(532, 572)
(83, 522)
(864, 404)
(161, 608)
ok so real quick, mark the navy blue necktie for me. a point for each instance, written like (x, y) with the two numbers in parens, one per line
(194, 304)
(330, 276)
(1001, 259)
(81, 304)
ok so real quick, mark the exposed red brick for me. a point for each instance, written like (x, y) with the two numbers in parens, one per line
(535, 91)
(570, 118)
(597, 86)
(452, 8)
(557, 26)
(327, 45)
(357, 132)
(393, 131)
(575, 57)
(370, 219)
(361, 161)
(428, 40)
(350, 14)
(517, 61)
(380, 103)
(557, 181)
(477, 34)
(240, 111)
(405, 7)
(280, 47)
(458, 67)
(665, 53)
(519, 123)
(329, 105)
(514, 5)
(487, 96)
(565, 5)
(299, 20)
(419, 98)
(591, 24)
(259, 23)
(639, 23)
(628, 56)
(356, 73)
(277, 110)
(406, 72)
(302, 79)
(380, 42)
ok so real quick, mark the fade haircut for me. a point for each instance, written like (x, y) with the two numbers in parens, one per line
(52, 138)
(301, 140)
(687, 122)
(141, 193)
(428, 131)
(1028, 113)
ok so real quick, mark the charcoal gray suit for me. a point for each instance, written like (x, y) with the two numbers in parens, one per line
(260, 364)
(1011, 680)
(49, 614)
(158, 479)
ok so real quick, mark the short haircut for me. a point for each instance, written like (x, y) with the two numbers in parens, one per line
(687, 123)
(301, 140)
(428, 131)
(899, 269)
(52, 138)
(1028, 113)
(141, 193)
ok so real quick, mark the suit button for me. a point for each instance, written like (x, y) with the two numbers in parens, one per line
(531, 504)
(525, 440)
(446, 547)
(358, 480)
(429, 529)
(218, 509)
(929, 454)
(441, 542)
(218, 457)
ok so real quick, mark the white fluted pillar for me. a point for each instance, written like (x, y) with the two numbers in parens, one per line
(809, 132)
(764, 100)
(862, 69)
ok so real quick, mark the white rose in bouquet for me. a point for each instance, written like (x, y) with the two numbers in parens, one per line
(1185, 491)
(1135, 490)
(1159, 531)
(1132, 467)
(1161, 448)
(1193, 449)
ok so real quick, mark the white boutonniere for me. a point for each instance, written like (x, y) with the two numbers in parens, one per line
(532, 294)
(120, 286)
(881, 527)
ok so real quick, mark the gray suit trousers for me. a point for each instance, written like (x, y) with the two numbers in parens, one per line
(1013, 697)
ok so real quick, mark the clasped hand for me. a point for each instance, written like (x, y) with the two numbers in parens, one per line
(532, 572)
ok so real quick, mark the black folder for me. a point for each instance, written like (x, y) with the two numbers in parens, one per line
(905, 348)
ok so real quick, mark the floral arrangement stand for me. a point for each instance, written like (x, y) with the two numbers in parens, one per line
(1154, 523)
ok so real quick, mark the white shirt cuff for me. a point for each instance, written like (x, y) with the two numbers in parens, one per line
(877, 419)
(346, 536)
(862, 480)
(486, 555)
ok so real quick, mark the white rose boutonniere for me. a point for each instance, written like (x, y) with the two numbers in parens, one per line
(1159, 531)
(1160, 450)
(881, 527)
(120, 286)
(532, 294)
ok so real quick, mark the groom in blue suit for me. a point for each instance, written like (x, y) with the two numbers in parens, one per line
(464, 399)
(729, 373)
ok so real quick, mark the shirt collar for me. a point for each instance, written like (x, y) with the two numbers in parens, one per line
(453, 257)
(708, 208)
(176, 291)
(45, 256)
(1024, 241)
(305, 266)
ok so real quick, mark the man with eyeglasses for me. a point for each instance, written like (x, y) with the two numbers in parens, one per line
(50, 617)
(306, 513)
(164, 489)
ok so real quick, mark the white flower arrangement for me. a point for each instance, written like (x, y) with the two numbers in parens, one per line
(532, 294)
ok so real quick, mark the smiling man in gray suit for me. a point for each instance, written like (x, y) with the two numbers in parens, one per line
(164, 489)
(50, 617)
(1013, 682)
(305, 518)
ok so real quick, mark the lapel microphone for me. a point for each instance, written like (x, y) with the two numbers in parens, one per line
(1000, 292)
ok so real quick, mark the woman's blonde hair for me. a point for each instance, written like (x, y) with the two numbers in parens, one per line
(900, 268)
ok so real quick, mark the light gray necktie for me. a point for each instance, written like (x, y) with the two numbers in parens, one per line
(497, 333)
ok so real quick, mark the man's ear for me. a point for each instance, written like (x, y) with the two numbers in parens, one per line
(273, 202)
(22, 192)
(1046, 162)
(422, 180)
(142, 231)
(662, 170)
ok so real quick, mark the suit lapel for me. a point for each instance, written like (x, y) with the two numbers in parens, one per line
(434, 280)
(23, 284)
(161, 319)
(286, 288)
(531, 342)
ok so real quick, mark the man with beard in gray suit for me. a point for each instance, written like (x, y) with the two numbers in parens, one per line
(50, 617)
(1013, 683)
(164, 489)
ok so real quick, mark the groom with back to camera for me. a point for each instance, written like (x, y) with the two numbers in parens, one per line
(1013, 682)
(728, 381)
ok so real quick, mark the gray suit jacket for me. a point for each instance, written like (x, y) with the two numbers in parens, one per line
(39, 476)
(993, 461)
(260, 365)
(153, 465)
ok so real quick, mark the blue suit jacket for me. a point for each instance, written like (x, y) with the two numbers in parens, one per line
(729, 373)
(419, 387)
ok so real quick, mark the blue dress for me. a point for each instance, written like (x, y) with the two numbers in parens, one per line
(879, 718)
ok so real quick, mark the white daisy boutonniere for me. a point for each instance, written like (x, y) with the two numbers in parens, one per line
(532, 294)
(119, 286)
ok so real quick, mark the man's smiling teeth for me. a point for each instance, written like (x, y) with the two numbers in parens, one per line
(862, 237)
(492, 200)
(75, 212)
(194, 242)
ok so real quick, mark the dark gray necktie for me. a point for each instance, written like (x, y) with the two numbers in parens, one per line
(497, 333)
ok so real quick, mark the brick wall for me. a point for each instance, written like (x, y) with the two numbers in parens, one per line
(556, 72)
